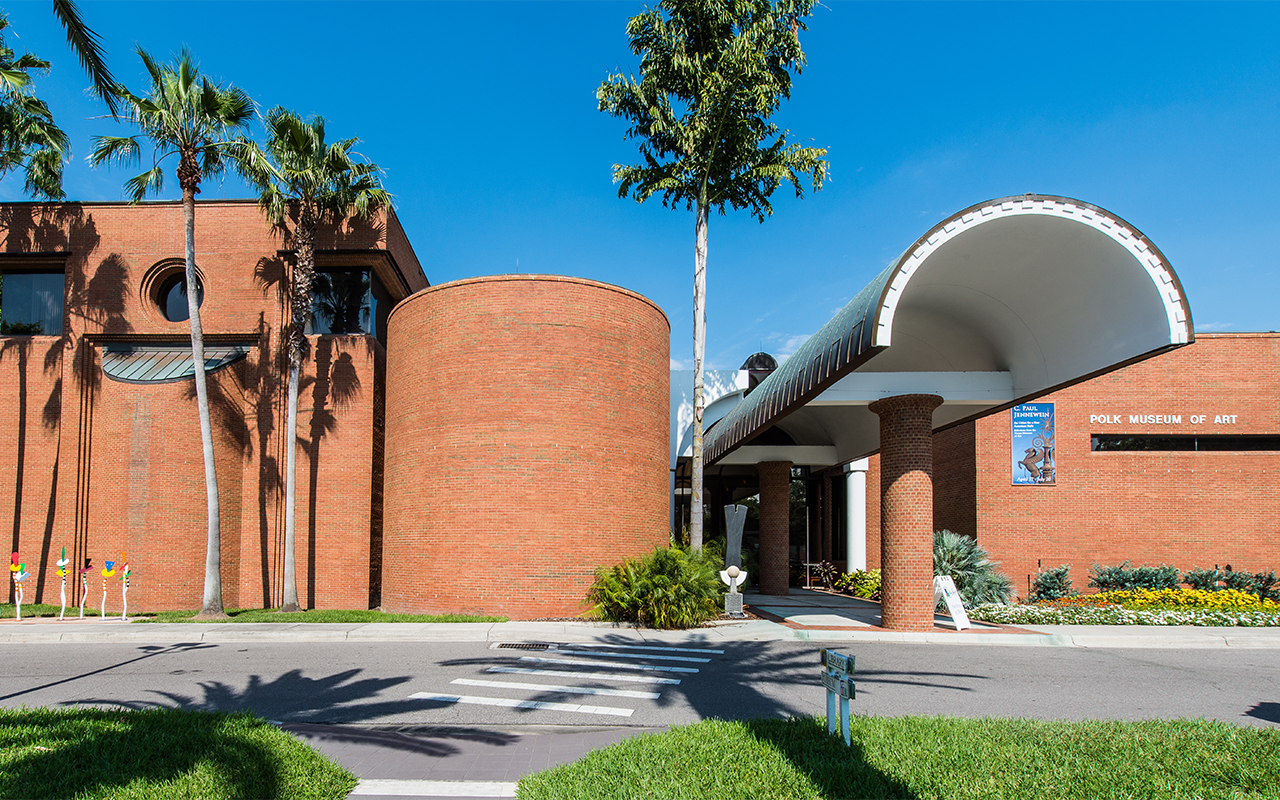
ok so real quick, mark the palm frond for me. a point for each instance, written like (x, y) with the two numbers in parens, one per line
(138, 186)
(87, 46)
(115, 150)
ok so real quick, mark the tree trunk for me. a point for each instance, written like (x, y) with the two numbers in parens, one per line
(290, 493)
(699, 351)
(212, 604)
(299, 313)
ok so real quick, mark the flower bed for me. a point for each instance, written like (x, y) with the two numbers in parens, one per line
(1225, 607)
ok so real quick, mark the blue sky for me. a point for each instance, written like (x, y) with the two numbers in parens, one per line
(483, 116)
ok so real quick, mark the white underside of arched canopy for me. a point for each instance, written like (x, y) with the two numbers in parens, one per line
(1002, 302)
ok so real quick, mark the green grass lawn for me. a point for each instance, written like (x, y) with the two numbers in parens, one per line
(926, 757)
(30, 610)
(10, 610)
(163, 753)
(353, 615)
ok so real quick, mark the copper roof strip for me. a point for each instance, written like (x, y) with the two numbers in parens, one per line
(164, 363)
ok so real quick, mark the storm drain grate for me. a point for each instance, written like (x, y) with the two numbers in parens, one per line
(526, 646)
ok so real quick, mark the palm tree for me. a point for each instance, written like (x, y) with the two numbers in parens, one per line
(29, 138)
(711, 76)
(304, 181)
(187, 115)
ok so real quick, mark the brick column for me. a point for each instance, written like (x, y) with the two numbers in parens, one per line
(775, 525)
(906, 510)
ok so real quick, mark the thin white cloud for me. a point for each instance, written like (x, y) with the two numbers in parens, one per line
(1210, 327)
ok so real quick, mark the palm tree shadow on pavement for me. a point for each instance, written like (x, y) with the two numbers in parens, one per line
(759, 684)
(336, 701)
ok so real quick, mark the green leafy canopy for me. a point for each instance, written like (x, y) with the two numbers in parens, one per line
(712, 73)
(184, 114)
(29, 138)
(298, 166)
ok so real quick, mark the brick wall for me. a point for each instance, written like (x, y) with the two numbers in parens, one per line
(109, 469)
(1188, 509)
(526, 443)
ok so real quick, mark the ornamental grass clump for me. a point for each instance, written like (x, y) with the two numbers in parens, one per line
(968, 565)
(669, 588)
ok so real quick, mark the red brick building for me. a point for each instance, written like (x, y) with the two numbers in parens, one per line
(1173, 460)
(99, 435)
(1025, 373)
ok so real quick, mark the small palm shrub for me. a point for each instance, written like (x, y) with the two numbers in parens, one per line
(970, 567)
(669, 588)
(1126, 578)
(827, 573)
(1051, 584)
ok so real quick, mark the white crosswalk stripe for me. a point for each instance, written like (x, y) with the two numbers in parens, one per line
(509, 703)
(644, 667)
(605, 663)
(661, 649)
(566, 673)
(603, 654)
(543, 687)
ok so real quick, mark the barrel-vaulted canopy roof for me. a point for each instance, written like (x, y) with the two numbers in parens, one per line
(1003, 302)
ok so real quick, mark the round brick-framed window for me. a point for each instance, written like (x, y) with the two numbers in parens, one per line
(164, 290)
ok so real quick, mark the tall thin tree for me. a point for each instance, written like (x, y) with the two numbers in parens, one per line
(187, 115)
(711, 75)
(303, 181)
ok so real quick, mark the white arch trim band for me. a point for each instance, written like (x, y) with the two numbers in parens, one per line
(1126, 236)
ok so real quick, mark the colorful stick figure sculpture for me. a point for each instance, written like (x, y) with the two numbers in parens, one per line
(62, 572)
(19, 572)
(124, 588)
(106, 573)
(84, 583)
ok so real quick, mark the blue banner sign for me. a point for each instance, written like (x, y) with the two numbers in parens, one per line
(1034, 454)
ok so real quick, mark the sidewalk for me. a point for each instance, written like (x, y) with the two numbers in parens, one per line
(802, 615)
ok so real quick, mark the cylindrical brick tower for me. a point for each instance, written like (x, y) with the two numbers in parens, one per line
(526, 443)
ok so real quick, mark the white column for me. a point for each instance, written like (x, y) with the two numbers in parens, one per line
(856, 515)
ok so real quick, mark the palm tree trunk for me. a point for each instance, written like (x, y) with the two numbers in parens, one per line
(299, 313)
(290, 493)
(699, 350)
(212, 603)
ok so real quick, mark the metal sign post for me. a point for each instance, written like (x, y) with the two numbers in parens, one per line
(837, 678)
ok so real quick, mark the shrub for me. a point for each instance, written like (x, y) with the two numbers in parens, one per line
(860, 583)
(970, 567)
(1051, 584)
(1206, 580)
(1262, 584)
(1124, 577)
(669, 588)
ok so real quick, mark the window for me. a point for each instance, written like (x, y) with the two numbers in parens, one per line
(31, 302)
(349, 301)
(1211, 442)
(171, 296)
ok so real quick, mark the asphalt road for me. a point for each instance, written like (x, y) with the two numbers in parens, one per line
(479, 685)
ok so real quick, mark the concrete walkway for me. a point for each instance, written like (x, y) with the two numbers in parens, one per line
(438, 763)
(801, 615)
